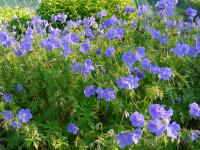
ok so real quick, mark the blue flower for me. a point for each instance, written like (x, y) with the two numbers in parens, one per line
(76, 67)
(98, 52)
(15, 124)
(109, 94)
(194, 135)
(107, 23)
(7, 98)
(102, 14)
(139, 74)
(165, 73)
(170, 23)
(173, 129)
(129, 9)
(129, 58)
(85, 47)
(194, 51)
(155, 34)
(8, 115)
(89, 91)
(167, 116)
(61, 17)
(125, 139)
(154, 69)
(110, 52)
(195, 110)
(181, 49)
(137, 119)
(73, 38)
(136, 135)
(100, 93)
(142, 10)
(110, 33)
(72, 128)
(26, 44)
(146, 64)
(88, 68)
(127, 82)
(156, 126)
(119, 32)
(156, 110)
(163, 39)
(19, 87)
(191, 12)
(140, 53)
(25, 115)
(66, 49)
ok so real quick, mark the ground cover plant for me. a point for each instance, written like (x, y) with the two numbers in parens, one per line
(102, 82)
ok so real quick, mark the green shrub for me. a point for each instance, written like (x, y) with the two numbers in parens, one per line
(17, 17)
(83, 8)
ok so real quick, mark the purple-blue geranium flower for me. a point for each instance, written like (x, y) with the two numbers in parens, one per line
(137, 119)
(107, 23)
(129, 58)
(76, 67)
(194, 51)
(100, 93)
(26, 44)
(136, 135)
(15, 124)
(156, 110)
(89, 90)
(146, 64)
(173, 129)
(85, 47)
(24, 115)
(66, 49)
(163, 39)
(110, 52)
(19, 87)
(129, 9)
(109, 94)
(154, 69)
(119, 32)
(127, 82)
(72, 128)
(7, 98)
(165, 73)
(8, 115)
(88, 68)
(73, 38)
(170, 23)
(61, 17)
(167, 116)
(139, 74)
(98, 52)
(194, 135)
(125, 139)
(102, 14)
(140, 53)
(110, 33)
(142, 10)
(155, 34)
(195, 110)
(156, 126)
(181, 49)
(191, 12)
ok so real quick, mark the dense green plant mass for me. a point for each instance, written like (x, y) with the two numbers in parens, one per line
(82, 8)
(16, 18)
